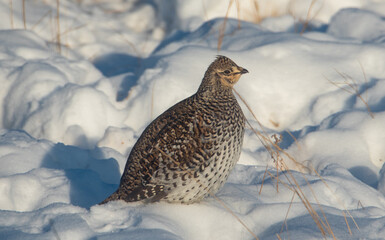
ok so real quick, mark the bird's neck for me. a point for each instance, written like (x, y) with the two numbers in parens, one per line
(215, 93)
(211, 86)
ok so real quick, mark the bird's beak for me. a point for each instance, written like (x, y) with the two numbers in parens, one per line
(241, 71)
(244, 70)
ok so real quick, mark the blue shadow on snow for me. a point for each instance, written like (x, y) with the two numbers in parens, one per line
(91, 176)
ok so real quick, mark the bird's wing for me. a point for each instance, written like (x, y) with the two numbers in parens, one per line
(186, 142)
(179, 140)
(182, 139)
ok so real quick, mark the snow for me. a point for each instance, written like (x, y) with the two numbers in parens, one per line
(69, 119)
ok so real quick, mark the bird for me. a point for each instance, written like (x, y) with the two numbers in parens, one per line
(187, 152)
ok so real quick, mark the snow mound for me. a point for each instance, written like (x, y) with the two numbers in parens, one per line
(43, 90)
(70, 119)
(359, 24)
(37, 173)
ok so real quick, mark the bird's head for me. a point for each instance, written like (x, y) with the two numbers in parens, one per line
(224, 72)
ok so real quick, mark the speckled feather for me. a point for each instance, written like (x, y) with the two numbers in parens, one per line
(189, 150)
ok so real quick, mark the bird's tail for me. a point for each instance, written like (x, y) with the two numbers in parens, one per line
(113, 197)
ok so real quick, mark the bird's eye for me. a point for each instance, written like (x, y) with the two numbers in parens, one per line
(227, 71)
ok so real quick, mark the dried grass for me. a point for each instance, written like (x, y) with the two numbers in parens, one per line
(24, 15)
(58, 35)
(309, 16)
(11, 14)
(41, 19)
(222, 29)
(258, 17)
(351, 86)
(276, 153)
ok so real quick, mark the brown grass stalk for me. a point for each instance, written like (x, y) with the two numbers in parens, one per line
(280, 181)
(284, 224)
(322, 226)
(124, 38)
(338, 199)
(309, 18)
(69, 30)
(275, 153)
(295, 139)
(234, 215)
(297, 189)
(263, 180)
(206, 16)
(222, 29)
(365, 78)
(58, 36)
(41, 19)
(24, 15)
(11, 14)
(238, 13)
(52, 26)
(347, 223)
(350, 86)
(360, 204)
(152, 100)
(258, 17)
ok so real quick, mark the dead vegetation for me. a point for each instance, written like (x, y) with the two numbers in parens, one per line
(351, 86)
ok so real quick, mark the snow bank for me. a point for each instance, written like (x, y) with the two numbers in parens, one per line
(69, 120)
(58, 197)
(36, 173)
(358, 24)
(43, 90)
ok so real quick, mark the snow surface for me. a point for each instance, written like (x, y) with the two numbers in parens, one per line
(70, 119)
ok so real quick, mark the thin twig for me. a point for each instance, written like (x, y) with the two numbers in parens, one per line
(234, 215)
(295, 139)
(258, 18)
(222, 29)
(352, 87)
(360, 204)
(58, 40)
(287, 213)
(73, 29)
(347, 224)
(308, 18)
(152, 100)
(41, 19)
(263, 180)
(24, 15)
(337, 198)
(275, 151)
(11, 15)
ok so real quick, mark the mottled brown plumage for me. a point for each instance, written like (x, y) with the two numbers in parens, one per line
(190, 149)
